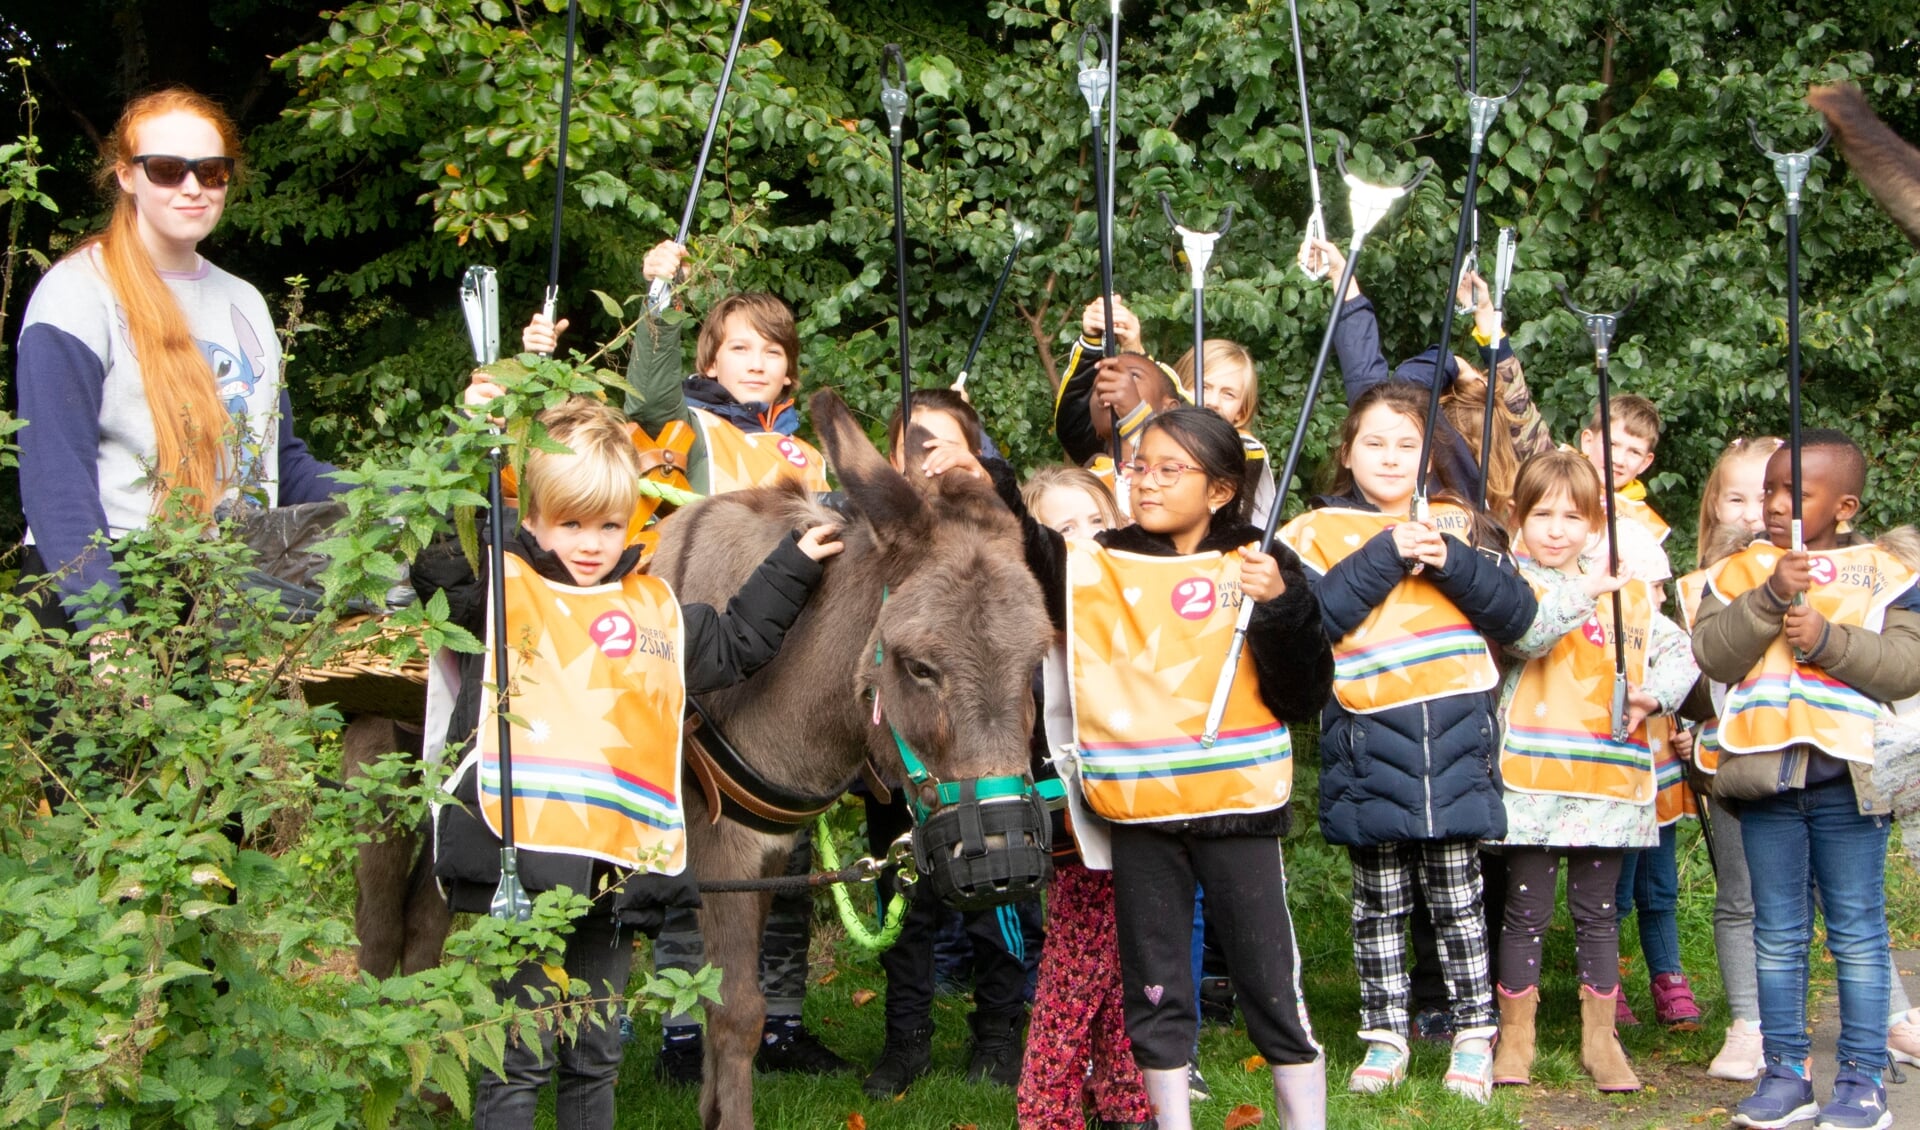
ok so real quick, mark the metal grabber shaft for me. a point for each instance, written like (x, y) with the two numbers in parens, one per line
(893, 99)
(1199, 247)
(1600, 329)
(1791, 170)
(1502, 275)
(1022, 232)
(1368, 204)
(660, 291)
(1096, 81)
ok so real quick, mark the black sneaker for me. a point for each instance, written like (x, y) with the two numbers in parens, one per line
(906, 1057)
(786, 1045)
(999, 1043)
(1434, 1025)
(680, 1058)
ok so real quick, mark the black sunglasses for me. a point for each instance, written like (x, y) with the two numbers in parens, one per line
(166, 172)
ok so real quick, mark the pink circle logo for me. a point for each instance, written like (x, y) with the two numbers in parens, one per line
(1821, 570)
(613, 633)
(1596, 635)
(792, 452)
(1194, 599)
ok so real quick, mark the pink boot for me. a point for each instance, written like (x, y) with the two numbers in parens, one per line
(1673, 1003)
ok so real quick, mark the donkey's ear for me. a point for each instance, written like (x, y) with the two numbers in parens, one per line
(898, 513)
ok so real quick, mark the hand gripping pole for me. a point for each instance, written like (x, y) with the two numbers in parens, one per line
(1368, 204)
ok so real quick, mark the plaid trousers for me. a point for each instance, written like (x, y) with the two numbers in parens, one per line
(1448, 872)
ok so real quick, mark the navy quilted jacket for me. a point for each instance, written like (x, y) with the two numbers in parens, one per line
(1424, 771)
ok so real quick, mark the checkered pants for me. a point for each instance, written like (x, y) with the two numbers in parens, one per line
(1383, 881)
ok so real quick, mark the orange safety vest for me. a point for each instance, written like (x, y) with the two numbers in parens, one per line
(1675, 800)
(737, 460)
(1146, 640)
(1782, 702)
(1637, 510)
(1559, 724)
(598, 686)
(1416, 646)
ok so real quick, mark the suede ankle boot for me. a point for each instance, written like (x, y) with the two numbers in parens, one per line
(1600, 1052)
(1513, 1053)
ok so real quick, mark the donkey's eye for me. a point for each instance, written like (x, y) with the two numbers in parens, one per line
(921, 672)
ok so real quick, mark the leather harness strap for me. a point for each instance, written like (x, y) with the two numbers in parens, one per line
(734, 790)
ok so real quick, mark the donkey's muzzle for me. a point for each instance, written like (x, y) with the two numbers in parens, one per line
(987, 852)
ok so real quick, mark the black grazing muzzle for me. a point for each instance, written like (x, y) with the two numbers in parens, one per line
(983, 842)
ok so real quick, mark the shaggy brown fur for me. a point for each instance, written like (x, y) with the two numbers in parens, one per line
(398, 913)
(1887, 165)
(933, 580)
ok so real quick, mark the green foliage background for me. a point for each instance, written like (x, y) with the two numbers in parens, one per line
(424, 133)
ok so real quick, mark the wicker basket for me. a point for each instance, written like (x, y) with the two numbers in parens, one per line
(362, 681)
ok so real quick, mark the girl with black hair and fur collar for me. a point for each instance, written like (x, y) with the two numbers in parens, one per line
(1148, 612)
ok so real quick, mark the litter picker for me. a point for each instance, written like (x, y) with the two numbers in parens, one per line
(893, 99)
(560, 171)
(480, 302)
(1022, 232)
(660, 291)
(1600, 329)
(1096, 82)
(1199, 247)
(1368, 204)
(1791, 170)
(1481, 110)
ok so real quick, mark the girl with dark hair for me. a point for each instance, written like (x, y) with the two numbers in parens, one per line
(1148, 612)
(1407, 738)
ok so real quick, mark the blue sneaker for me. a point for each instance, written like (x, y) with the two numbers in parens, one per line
(1782, 1099)
(1858, 1103)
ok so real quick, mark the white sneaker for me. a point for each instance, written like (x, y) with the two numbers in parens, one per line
(1385, 1064)
(1742, 1055)
(1903, 1037)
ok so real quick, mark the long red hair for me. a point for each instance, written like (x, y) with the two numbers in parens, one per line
(190, 423)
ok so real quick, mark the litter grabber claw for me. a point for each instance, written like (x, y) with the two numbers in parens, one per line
(480, 303)
(1505, 248)
(1199, 247)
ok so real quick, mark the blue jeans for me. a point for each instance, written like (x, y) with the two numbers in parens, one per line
(1650, 883)
(1794, 840)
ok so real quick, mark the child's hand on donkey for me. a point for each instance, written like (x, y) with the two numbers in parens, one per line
(821, 542)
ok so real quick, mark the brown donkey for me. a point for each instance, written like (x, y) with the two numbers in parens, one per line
(934, 583)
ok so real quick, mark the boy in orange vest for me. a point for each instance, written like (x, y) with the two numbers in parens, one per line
(1810, 643)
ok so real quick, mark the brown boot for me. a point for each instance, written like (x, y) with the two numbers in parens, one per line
(1513, 1053)
(1600, 1051)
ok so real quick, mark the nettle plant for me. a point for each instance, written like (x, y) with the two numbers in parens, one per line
(175, 889)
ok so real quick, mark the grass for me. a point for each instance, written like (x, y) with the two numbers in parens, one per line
(1673, 1064)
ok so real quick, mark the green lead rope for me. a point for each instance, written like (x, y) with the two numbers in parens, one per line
(893, 918)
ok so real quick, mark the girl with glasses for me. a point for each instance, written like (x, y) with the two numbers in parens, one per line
(1148, 612)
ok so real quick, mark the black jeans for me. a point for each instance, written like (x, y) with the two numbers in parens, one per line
(1155, 869)
(601, 954)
